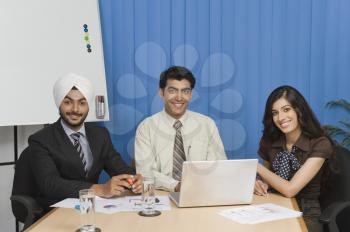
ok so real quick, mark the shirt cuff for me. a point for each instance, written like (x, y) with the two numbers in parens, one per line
(168, 185)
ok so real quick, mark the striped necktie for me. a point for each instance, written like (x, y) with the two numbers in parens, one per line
(77, 146)
(179, 152)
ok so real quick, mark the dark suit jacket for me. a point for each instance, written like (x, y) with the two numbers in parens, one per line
(57, 168)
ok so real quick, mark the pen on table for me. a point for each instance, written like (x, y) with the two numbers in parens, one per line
(188, 150)
(156, 200)
(265, 194)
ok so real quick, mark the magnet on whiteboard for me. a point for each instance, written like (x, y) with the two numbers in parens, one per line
(100, 107)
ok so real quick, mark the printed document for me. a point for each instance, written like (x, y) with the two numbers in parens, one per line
(119, 204)
(259, 213)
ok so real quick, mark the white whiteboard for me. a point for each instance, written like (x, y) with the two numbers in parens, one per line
(40, 41)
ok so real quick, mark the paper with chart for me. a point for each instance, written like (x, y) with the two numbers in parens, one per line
(259, 213)
(119, 204)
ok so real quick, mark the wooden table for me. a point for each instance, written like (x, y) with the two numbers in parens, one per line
(200, 219)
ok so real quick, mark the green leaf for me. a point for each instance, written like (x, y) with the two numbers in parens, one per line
(333, 130)
(346, 142)
(345, 124)
(340, 133)
(339, 103)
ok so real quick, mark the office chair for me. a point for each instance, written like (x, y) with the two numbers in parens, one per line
(335, 200)
(24, 207)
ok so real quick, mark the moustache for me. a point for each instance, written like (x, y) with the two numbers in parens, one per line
(74, 114)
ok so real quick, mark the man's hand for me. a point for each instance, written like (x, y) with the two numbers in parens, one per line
(115, 186)
(178, 187)
(136, 186)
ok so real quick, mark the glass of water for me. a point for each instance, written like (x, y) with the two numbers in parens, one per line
(87, 210)
(148, 195)
(148, 198)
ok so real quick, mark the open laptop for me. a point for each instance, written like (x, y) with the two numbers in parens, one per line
(221, 182)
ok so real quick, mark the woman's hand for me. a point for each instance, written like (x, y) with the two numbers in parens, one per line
(260, 188)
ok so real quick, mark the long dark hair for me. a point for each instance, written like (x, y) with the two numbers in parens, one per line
(309, 125)
(308, 122)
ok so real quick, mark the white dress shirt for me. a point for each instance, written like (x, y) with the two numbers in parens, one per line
(154, 144)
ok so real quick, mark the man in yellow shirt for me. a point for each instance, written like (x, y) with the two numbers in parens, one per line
(166, 139)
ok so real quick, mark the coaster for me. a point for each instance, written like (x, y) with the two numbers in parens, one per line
(96, 230)
(156, 213)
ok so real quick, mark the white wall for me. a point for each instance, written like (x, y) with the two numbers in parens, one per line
(7, 220)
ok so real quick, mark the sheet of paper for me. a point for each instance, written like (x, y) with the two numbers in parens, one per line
(119, 204)
(259, 213)
(67, 203)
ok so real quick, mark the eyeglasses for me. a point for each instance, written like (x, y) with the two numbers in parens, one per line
(172, 91)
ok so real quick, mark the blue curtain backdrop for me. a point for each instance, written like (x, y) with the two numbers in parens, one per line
(239, 51)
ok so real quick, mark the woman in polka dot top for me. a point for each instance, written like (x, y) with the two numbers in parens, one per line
(295, 150)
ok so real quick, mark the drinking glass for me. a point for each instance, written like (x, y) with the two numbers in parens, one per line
(87, 210)
(148, 197)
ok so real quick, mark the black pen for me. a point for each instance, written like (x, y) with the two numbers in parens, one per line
(188, 150)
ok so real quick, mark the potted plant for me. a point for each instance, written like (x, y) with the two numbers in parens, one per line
(342, 132)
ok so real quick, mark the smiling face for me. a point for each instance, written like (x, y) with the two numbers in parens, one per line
(285, 118)
(74, 109)
(176, 96)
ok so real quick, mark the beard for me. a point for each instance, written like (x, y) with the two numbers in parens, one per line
(73, 124)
